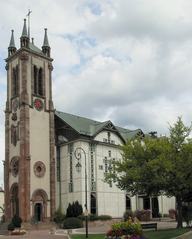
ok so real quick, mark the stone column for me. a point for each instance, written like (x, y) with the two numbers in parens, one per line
(52, 148)
(24, 164)
(6, 163)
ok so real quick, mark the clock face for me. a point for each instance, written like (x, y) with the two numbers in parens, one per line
(38, 104)
(15, 104)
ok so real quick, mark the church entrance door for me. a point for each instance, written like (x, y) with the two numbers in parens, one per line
(38, 212)
(15, 200)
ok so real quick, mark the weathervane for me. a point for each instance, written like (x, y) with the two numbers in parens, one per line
(28, 15)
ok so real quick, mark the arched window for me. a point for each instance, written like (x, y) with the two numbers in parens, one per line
(40, 83)
(15, 81)
(35, 79)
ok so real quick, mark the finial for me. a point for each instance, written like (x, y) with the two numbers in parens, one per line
(46, 42)
(12, 41)
(24, 33)
(12, 49)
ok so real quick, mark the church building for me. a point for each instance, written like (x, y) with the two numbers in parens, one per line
(54, 158)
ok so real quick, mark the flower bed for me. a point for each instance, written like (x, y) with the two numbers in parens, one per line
(19, 232)
(173, 213)
(126, 230)
(143, 215)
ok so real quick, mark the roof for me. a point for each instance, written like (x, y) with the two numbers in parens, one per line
(46, 42)
(12, 41)
(35, 48)
(24, 32)
(92, 127)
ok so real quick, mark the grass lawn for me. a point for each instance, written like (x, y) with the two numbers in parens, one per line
(166, 234)
(161, 234)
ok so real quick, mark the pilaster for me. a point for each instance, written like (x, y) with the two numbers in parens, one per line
(52, 147)
(24, 165)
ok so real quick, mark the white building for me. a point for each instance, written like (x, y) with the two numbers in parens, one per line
(99, 144)
(2, 206)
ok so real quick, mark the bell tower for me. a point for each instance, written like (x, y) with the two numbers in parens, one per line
(29, 167)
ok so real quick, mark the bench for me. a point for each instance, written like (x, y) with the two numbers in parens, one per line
(149, 225)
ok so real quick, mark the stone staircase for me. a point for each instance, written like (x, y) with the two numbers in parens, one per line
(162, 219)
(3, 227)
(41, 226)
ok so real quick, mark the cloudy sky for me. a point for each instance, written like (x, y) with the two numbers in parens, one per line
(128, 61)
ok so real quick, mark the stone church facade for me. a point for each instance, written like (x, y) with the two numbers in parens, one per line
(40, 170)
(29, 167)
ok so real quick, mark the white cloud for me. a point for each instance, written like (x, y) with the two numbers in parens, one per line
(125, 61)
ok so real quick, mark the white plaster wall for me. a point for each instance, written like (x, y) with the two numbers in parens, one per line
(166, 203)
(1, 202)
(104, 135)
(39, 149)
(110, 200)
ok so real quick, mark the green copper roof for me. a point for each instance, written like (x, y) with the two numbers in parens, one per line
(24, 33)
(12, 41)
(34, 48)
(46, 42)
(91, 127)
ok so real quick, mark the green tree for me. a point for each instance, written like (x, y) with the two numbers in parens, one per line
(157, 166)
(74, 210)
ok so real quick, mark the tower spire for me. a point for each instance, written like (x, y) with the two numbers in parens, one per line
(24, 33)
(12, 49)
(24, 37)
(46, 48)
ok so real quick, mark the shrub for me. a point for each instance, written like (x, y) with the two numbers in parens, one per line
(187, 213)
(74, 210)
(166, 215)
(94, 217)
(3, 218)
(127, 214)
(72, 222)
(82, 217)
(124, 229)
(11, 227)
(16, 220)
(141, 212)
(104, 217)
(59, 216)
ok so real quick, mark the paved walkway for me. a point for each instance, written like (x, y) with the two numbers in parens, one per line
(41, 234)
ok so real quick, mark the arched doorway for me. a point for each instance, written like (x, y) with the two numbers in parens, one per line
(39, 205)
(14, 199)
(38, 212)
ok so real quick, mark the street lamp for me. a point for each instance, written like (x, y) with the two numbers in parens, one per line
(78, 168)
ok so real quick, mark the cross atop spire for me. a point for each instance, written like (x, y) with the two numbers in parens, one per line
(28, 15)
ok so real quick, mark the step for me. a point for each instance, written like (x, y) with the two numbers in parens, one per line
(41, 226)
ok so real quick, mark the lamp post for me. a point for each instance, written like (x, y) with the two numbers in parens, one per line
(78, 168)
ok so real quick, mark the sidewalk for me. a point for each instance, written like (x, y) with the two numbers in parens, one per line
(41, 234)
